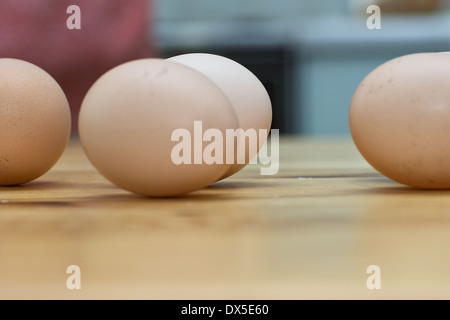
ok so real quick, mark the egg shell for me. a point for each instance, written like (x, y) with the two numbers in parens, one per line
(247, 94)
(400, 119)
(34, 121)
(129, 115)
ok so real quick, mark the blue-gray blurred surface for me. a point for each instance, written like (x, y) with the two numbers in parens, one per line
(311, 55)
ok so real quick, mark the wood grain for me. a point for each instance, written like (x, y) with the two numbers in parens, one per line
(308, 232)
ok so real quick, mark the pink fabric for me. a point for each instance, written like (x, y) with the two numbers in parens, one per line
(112, 32)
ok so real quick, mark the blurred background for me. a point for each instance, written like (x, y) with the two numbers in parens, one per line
(310, 55)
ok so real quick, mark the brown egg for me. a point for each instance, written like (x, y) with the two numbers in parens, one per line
(400, 119)
(34, 121)
(130, 120)
(248, 97)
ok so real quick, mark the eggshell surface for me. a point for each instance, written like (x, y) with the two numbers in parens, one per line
(129, 115)
(34, 121)
(248, 97)
(400, 120)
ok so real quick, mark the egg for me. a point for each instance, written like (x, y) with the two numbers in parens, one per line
(34, 122)
(248, 97)
(130, 119)
(400, 120)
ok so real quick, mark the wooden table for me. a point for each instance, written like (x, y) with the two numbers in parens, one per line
(310, 231)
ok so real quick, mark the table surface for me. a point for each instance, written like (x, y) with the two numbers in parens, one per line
(311, 231)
